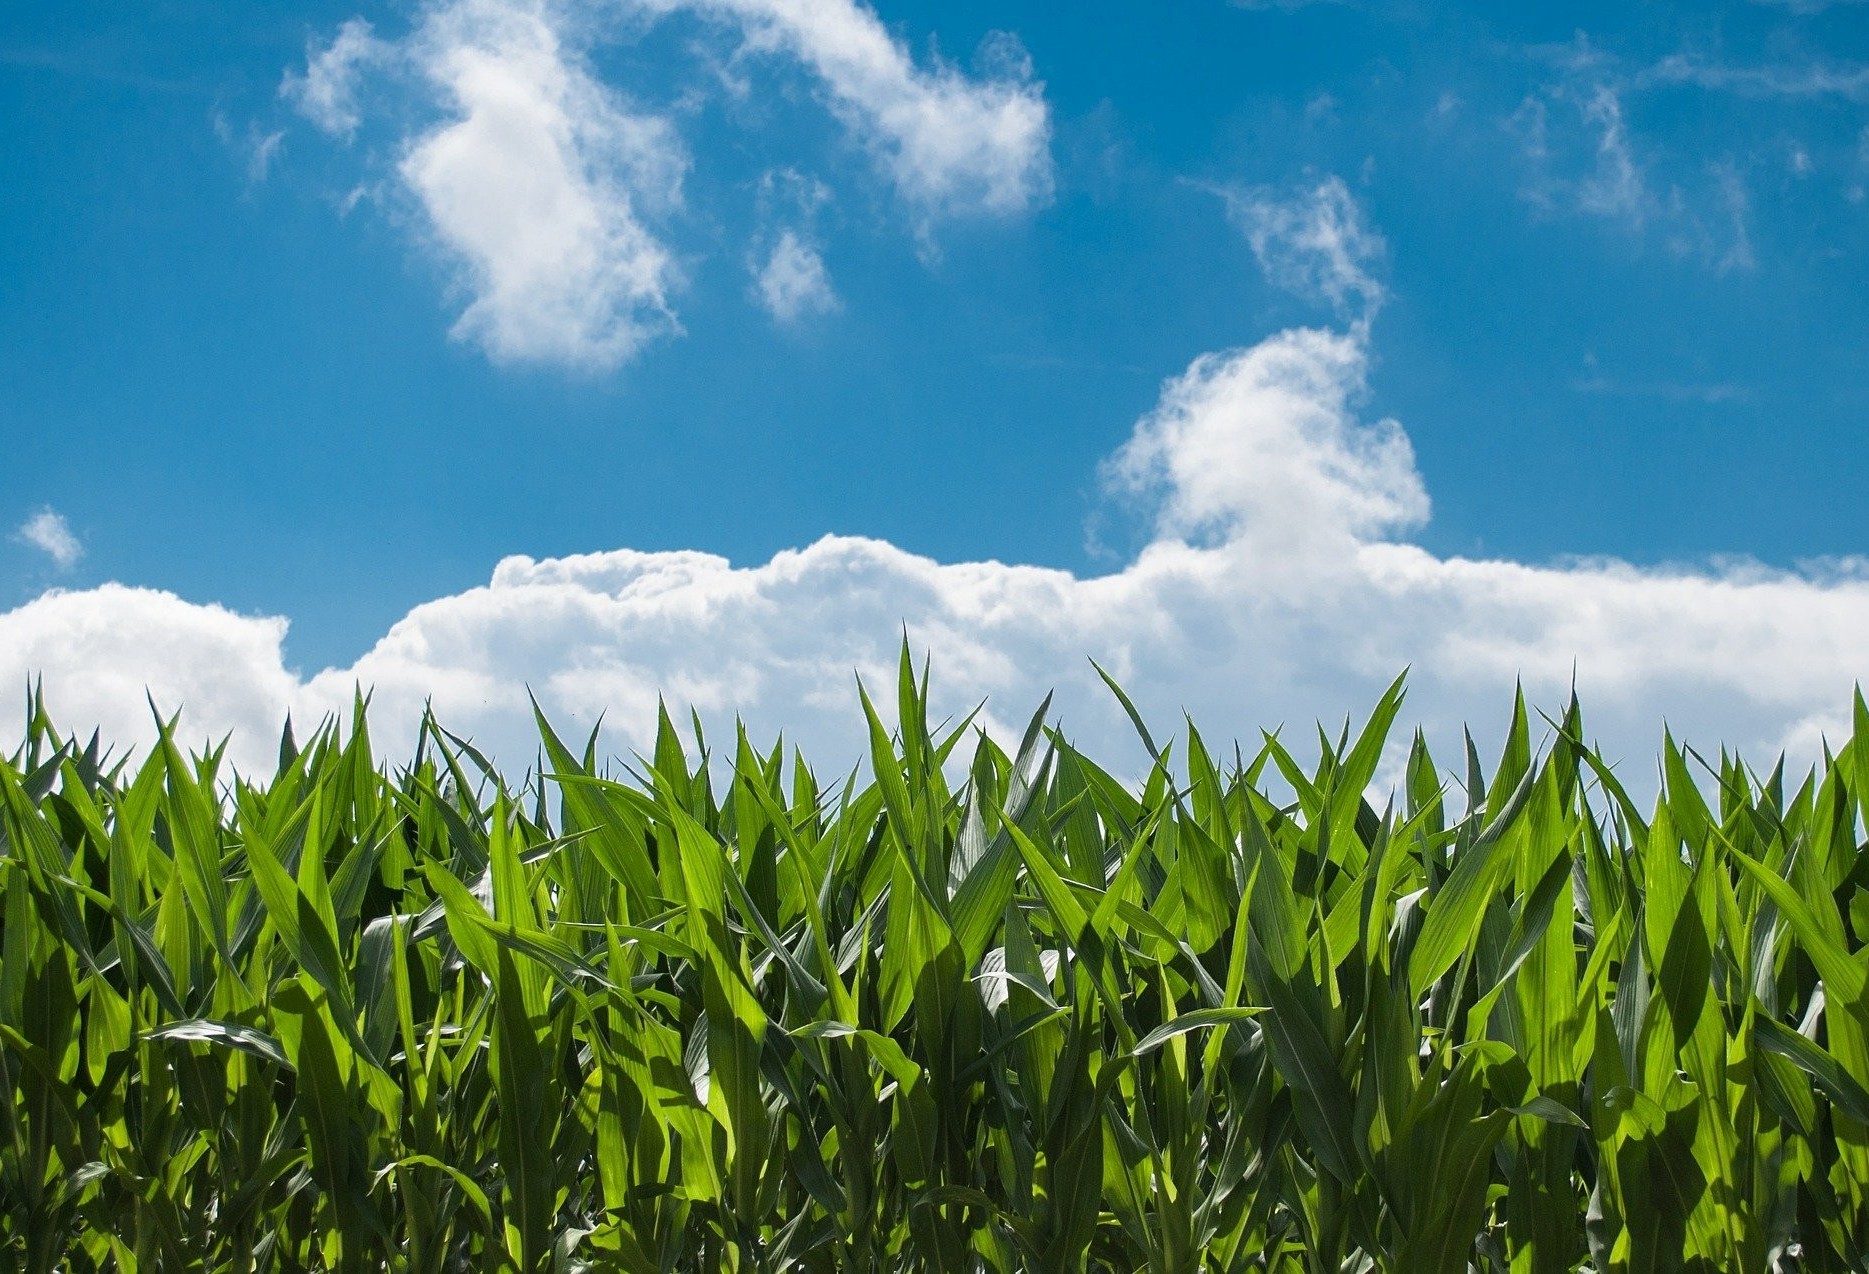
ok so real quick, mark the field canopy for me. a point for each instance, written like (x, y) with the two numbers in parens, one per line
(975, 1009)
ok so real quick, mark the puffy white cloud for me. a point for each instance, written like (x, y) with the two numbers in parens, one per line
(1259, 449)
(1294, 607)
(533, 190)
(100, 649)
(48, 532)
(952, 143)
(547, 194)
(325, 92)
(792, 282)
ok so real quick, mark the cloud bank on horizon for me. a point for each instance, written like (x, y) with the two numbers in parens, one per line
(1276, 588)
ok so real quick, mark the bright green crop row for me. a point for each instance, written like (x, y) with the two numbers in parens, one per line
(722, 1018)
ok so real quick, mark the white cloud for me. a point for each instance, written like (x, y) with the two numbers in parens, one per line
(534, 191)
(1711, 393)
(1732, 186)
(1293, 606)
(951, 143)
(258, 148)
(1582, 157)
(1616, 187)
(792, 283)
(101, 648)
(1258, 449)
(1314, 242)
(265, 149)
(48, 532)
(1813, 78)
(325, 92)
(547, 194)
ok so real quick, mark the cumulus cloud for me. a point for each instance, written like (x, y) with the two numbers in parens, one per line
(48, 532)
(1258, 449)
(1278, 586)
(1298, 599)
(549, 196)
(952, 143)
(534, 190)
(792, 282)
(100, 649)
(1313, 241)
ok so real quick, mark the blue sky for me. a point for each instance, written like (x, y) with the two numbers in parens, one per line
(1617, 255)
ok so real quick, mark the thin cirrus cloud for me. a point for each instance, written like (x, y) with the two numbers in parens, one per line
(549, 196)
(1278, 585)
(1313, 241)
(1808, 6)
(1581, 157)
(1602, 175)
(1788, 79)
(1581, 154)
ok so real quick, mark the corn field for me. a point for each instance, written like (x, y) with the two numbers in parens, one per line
(969, 1010)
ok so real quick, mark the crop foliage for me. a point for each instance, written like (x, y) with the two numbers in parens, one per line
(965, 1010)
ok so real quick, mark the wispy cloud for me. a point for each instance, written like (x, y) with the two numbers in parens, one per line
(789, 278)
(792, 282)
(326, 91)
(48, 532)
(1807, 6)
(1312, 240)
(256, 147)
(1711, 394)
(1616, 186)
(100, 70)
(1810, 78)
(1582, 156)
(1732, 187)
(1611, 183)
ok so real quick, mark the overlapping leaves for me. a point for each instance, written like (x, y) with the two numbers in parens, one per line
(961, 1010)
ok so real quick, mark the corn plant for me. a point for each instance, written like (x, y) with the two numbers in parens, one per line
(970, 1010)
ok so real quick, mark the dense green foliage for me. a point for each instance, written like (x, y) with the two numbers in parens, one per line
(1000, 1014)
